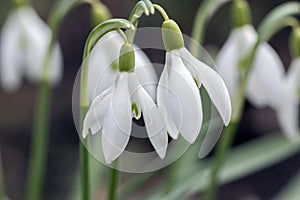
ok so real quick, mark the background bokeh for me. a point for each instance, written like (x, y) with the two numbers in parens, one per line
(17, 109)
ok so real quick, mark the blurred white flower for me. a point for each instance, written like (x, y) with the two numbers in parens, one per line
(23, 46)
(286, 101)
(266, 85)
(121, 96)
(179, 95)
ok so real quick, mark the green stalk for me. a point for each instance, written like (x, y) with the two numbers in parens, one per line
(94, 37)
(204, 13)
(225, 143)
(113, 184)
(39, 144)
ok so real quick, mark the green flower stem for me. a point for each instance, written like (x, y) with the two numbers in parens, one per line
(38, 153)
(113, 184)
(225, 143)
(204, 13)
(2, 193)
(39, 144)
(162, 12)
(135, 182)
(142, 7)
(94, 37)
(85, 176)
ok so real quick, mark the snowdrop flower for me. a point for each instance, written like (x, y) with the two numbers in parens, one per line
(266, 84)
(112, 110)
(104, 69)
(23, 46)
(178, 88)
(267, 70)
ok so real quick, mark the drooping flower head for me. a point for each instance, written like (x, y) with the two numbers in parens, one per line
(24, 41)
(178, 88)
(266, 82)
(122, 98)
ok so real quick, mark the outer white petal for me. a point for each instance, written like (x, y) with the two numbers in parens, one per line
(287, 109)
(96, 112)
(227, 64)
(212, 82)
(101, 74)
(145, 72)
(117, 122)
(163, 100)
(235, 48)
(294, 72)
(265, 77)
(154, 119)
(11, 54)
(186, 102)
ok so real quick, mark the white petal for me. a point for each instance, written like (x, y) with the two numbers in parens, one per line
(294, 72)
(11, 54)
(287, 109)
(117, 122)
(186, 102)
(36, 35)
(213, 84)
(235, 48)
(145, 72)
(154, 119)
(265, 77)
(163, 101)
(104, 55)
(56, 65)
(227, 65)
(97, 110)
(288, 119)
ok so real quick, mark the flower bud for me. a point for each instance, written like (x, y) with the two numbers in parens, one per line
(18, 3)
(172, 35)
(240, 13)
(99, 13)
(126, 59)
(295, 42)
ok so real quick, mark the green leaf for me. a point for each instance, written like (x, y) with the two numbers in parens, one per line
(274, 21)
(241, 161)
(96, 170)
(291, 190)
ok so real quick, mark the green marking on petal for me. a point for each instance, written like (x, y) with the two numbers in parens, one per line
(115, 66)
(135, 110)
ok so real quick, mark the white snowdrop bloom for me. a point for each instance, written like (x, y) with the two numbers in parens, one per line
(112, 111)
(266, 73)
(103, 66)
(178, 87)
(267, 84)
(23, 45)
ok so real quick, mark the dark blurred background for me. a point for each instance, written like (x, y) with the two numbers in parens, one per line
(17, 109)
